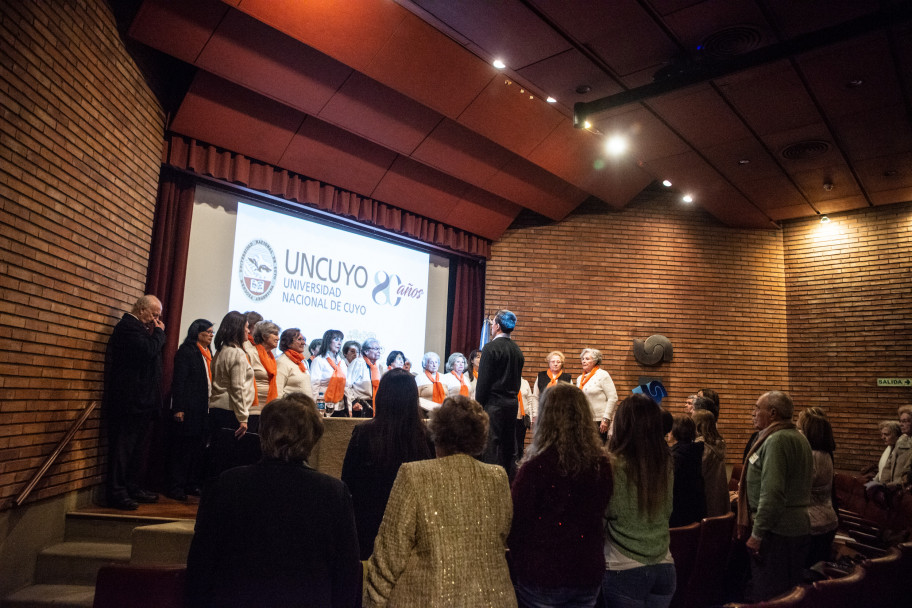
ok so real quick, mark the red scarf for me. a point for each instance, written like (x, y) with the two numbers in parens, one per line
(207, 357)
(375, 379)
(587, 376)
(553, 377)
(463, 389)
(439, 390)
(335, 390)
(269, 364)
(297, 358)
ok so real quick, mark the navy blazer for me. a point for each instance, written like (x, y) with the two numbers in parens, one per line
(133, 368)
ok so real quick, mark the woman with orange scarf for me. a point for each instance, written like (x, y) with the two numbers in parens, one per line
(456, 379)
(291, 370)
(599, 389)
(551, 376)
(328, 372)
(266, 339)
(431, 388)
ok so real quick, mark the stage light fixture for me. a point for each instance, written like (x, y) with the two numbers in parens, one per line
(666, 183)
(499, 64)
(687, 198)
(616, 145)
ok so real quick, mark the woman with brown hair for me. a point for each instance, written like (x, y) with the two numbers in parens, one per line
(639, 567)
(443, 537)
(715, 479)
(813, 424)
(559, 495)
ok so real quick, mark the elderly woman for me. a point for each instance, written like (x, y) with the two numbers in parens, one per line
(258, 541)
(431, 388)
(889, 433)
(551, 376)
(233, 387)
(266, 339)
(351, 350)
(443, 537)
(599, 389)
(395, 360)
(189, 409)
(328, 374)
(291, 370)
(456, 380)
(559, 497)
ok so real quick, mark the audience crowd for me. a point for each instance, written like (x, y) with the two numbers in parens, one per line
(440, 503)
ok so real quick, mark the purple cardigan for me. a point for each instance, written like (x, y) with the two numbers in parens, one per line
(558, 533)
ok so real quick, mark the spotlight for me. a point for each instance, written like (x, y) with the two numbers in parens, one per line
(499, 64)
(587, 124)
(666, 183)
(687, 198)
(824, 219)
(550, 99)
(616, 145)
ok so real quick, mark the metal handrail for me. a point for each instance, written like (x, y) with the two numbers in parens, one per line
(52, 457)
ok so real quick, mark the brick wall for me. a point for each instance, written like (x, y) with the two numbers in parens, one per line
(600, 278)
(80, 145)
(849, 285)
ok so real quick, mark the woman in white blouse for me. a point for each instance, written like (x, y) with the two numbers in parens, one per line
(599, 389)
(291, 368)
(328, 374)
(456, 378)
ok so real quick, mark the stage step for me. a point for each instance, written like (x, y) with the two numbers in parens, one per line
(51, 596)
(77, 562)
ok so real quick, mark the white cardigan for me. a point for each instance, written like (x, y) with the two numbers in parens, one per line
(290, 378)
(233, 387)
(602, 395)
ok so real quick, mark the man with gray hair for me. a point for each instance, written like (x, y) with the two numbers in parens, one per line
(499, 379)
(132, 394)
(773, 498)
(364, 377)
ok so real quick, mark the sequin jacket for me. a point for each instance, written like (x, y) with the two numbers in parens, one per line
(443, 537)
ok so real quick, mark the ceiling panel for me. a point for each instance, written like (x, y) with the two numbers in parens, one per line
(253, 54)
(780, 198)
(221, 113)
(527, 40)
(352, 32)
(782, 141)
(534, 189)
(420, 189)
(327, 153)
(795, 18)
(511, 116)
(483, 213)
(886, 174)
(693, 24)
(868, 135)
(649, 137)
(180, 29)
(380, 114)
(424, 64)
(560, 75)
(462, 153)
(812, 183)
(743, 161)
(842, 204)
(701, 116)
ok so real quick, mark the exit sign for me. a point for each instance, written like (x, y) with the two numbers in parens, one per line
(894, 382)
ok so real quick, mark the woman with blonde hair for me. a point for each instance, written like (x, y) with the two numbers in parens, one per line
(551, 376)
(715, 479)
(639, 567)
(559, 495)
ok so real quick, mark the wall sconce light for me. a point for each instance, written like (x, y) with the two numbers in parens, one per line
(824, 219)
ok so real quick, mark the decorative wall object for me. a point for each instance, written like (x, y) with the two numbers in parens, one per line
(653, 350)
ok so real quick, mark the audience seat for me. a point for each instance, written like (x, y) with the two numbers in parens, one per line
(846, 592)
(712, 561)
(884, 578)
(684, 541)
(801, 596)
(123, 585)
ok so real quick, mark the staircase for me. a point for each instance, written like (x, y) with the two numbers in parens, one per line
(65, 572)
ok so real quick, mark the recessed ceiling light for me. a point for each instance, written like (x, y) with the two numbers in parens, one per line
(616, 145)
(550, 99)
(499, 64)
(666, 183)
(744, 161)
(854, 83)
(824, 219)
(687, 198)
(583, 89)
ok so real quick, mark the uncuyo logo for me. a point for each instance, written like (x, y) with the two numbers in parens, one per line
(258, 270)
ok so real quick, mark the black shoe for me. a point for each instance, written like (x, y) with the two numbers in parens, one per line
(124, 504)
(144, 496)
(177, 495)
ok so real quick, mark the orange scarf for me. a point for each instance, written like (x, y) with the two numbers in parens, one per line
(587, 376)
(335, 390)
(375, 378)
(522, 409)
(269, 364)
(463, 389)
(553, 377)
(475, 374)
(297, 358)
(439, 390)
(207, 357)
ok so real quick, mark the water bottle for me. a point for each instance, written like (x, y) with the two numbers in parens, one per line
(321, 404)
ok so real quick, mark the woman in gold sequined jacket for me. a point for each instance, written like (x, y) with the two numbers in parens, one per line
(443, 537)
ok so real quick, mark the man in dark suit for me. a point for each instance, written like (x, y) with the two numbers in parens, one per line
(499, 376)
(133, 371)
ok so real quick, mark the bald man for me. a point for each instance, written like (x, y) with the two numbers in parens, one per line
(133, 371)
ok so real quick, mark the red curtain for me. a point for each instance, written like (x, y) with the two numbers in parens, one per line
(468, 305)
(168, 258)
(204, 159)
